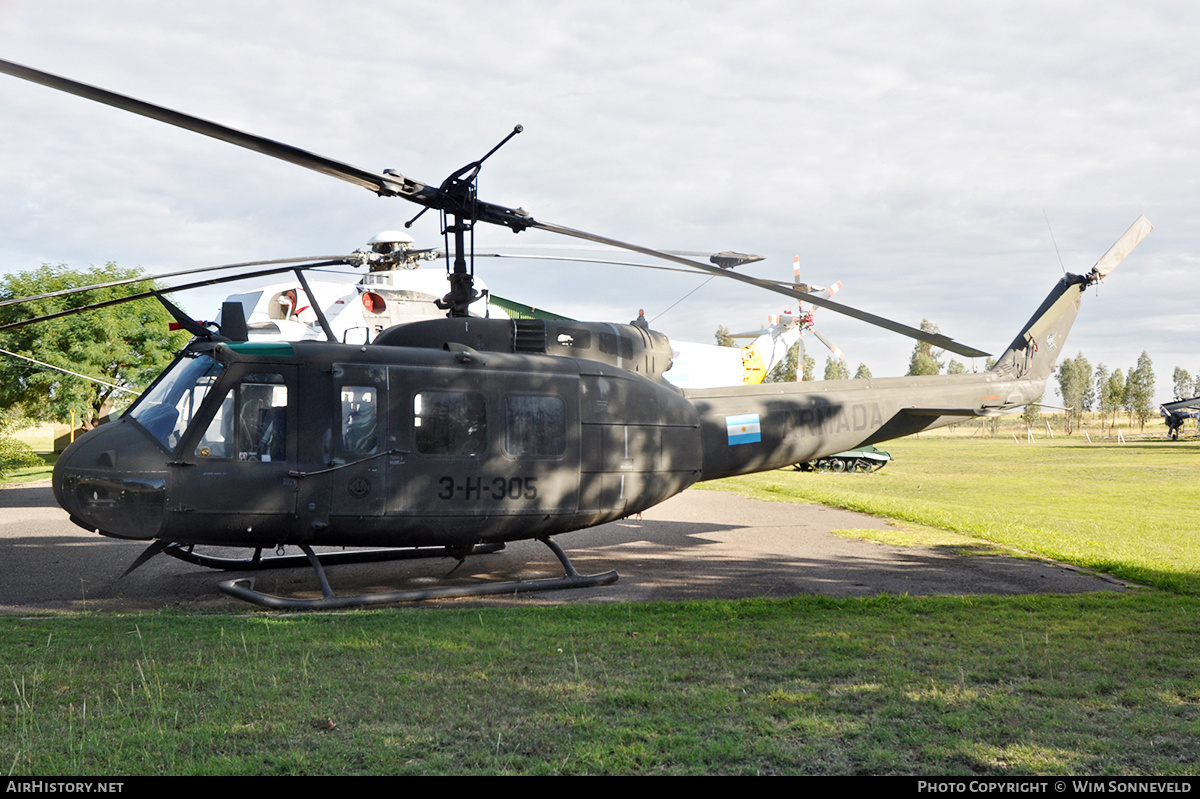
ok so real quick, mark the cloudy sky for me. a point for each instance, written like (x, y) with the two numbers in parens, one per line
(913, 151)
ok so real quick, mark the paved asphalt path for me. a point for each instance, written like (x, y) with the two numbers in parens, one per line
(699, 545)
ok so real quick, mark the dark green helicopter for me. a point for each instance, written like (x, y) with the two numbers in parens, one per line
(452, 436)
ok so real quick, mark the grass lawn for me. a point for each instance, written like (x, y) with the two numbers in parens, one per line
(1105, 684)
(1101, 684)
(1126, 508)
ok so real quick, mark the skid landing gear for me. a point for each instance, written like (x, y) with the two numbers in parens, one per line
(187, 553)
(257, 561)
(244, 588)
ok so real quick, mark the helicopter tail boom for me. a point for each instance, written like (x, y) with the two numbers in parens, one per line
(749, 429)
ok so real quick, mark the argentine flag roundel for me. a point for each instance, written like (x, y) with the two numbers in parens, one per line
(743, 429)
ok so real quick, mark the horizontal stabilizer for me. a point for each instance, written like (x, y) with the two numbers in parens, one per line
(953, 412)
(1194, 402)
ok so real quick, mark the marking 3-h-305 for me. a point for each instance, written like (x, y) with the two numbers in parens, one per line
(497, 488)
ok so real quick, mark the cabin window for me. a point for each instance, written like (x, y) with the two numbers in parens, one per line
(359, 420)
(574, 337)
(251, 423)
(535, 426)
(612, 344)
(450, 423)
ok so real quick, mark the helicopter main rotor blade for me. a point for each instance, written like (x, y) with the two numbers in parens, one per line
(833, 348)
(606, 261)
(45, 365)
(454, 197)
(726, 259)
(388, 183)
(155, 293)
(787, 289)
(329, 259)
(804, 287)
(361, 177)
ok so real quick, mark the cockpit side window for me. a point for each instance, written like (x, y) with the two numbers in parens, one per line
(251, 422)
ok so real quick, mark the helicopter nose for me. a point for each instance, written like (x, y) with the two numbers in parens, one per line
(113, 480)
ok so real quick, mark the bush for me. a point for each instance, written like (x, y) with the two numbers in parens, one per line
(14, 454)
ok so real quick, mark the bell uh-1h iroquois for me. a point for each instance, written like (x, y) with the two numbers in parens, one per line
(451, 435)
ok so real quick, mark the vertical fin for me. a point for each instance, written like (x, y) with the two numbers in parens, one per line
(1033, 352)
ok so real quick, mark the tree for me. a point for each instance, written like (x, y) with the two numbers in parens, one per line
(1139, 391)
(127, 345)
(1032, 412)
(810, 368)
(723, 337)
(863, 372)
(836, 370)
(1099, 378)
(1112, 396)
(1183, 383)
(1090, 396)
(956, 368)
(924, 361)
(785, 370)
(1075, 387)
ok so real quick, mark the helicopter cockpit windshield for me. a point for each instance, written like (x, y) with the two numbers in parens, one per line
(166, 410)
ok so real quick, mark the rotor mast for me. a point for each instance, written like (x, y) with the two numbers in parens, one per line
(461, 189)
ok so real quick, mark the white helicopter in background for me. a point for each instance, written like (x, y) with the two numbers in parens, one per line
(711, 366)
(395, 291)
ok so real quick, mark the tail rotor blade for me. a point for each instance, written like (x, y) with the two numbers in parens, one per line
(1117, 253)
